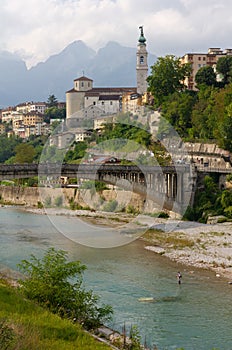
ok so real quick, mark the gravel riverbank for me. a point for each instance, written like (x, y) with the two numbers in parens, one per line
(194, 244)
(207, 246)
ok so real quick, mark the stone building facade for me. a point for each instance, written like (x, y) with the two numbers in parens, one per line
(108, 100)
(198, 60)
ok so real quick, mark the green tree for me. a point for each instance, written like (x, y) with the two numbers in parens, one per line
(225, 140)
(78, 152)
(125, 129)
(220, 117)
(226, 199)
(7, 147)
(24, 153)
(54, 112)
(56, 283)
(177, 110)
(205, 75)
(224, 67)
(52, 101)
(207, 202)
(202, 114)
(167, 76)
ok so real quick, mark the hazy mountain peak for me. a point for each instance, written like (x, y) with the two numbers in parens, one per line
(112, 44)
(77, 45)
(112, 65)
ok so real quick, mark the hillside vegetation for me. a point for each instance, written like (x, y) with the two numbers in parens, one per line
(202, 115)
(26, 326)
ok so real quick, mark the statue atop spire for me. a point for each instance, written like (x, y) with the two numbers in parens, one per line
(142, 39)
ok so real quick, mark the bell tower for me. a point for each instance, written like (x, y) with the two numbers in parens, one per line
(141, 65)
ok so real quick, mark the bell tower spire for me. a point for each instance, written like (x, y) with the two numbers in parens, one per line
(141, 66)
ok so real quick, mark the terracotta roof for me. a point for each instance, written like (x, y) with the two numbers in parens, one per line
(83, 78)
(114, 89)
(91, 93)
(34, 113)
(105, 90)
(73, 90)
(102, 96)
(109, 97)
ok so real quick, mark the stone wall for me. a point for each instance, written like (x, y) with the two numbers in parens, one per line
(19, 195)
(31, 196)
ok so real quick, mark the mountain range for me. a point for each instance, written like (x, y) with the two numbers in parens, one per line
(113, 65)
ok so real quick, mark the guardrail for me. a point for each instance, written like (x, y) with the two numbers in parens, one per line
(209, 169)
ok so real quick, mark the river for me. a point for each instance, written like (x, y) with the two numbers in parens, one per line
(195, 315)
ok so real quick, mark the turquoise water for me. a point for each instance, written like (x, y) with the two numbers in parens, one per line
(195, 315)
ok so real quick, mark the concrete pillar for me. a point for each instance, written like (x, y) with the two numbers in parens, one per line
(180, 188)
(154, 181)
(174, 186)
(170, 185)
(161, 183)
(151, 180)
(166, 184)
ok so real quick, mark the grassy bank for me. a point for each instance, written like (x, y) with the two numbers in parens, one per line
(173, 240)
(26, 326)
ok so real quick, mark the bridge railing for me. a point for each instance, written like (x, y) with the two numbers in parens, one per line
(210, 169)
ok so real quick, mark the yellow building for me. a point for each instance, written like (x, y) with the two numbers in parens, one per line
(198, 60)
(101, 121)
(32, 119)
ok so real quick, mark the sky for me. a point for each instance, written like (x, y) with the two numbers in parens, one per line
(37, 29)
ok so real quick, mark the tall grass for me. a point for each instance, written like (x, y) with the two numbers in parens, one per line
(33, 328)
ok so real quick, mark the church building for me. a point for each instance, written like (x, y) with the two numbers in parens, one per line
(86, 101)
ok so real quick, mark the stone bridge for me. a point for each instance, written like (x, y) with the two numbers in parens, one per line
(171, 187)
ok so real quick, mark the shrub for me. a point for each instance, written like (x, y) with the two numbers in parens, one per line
(6, 335)
(221, 220)
(131, 210)
(39, 205)
(32, 182)
(58, 201)
(110, 206)
(48, 201)
(49, 282)
(97, 185)
(163, 215)
(76, 206)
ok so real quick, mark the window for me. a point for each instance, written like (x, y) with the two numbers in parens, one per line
(82, 84)
(141, 59)
(199, 58)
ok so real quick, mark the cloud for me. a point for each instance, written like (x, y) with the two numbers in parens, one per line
(37, 29)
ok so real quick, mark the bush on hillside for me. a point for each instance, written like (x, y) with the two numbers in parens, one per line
(56, 284)
(6, 335)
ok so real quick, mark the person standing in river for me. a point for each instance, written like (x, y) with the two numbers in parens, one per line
(179, 277)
